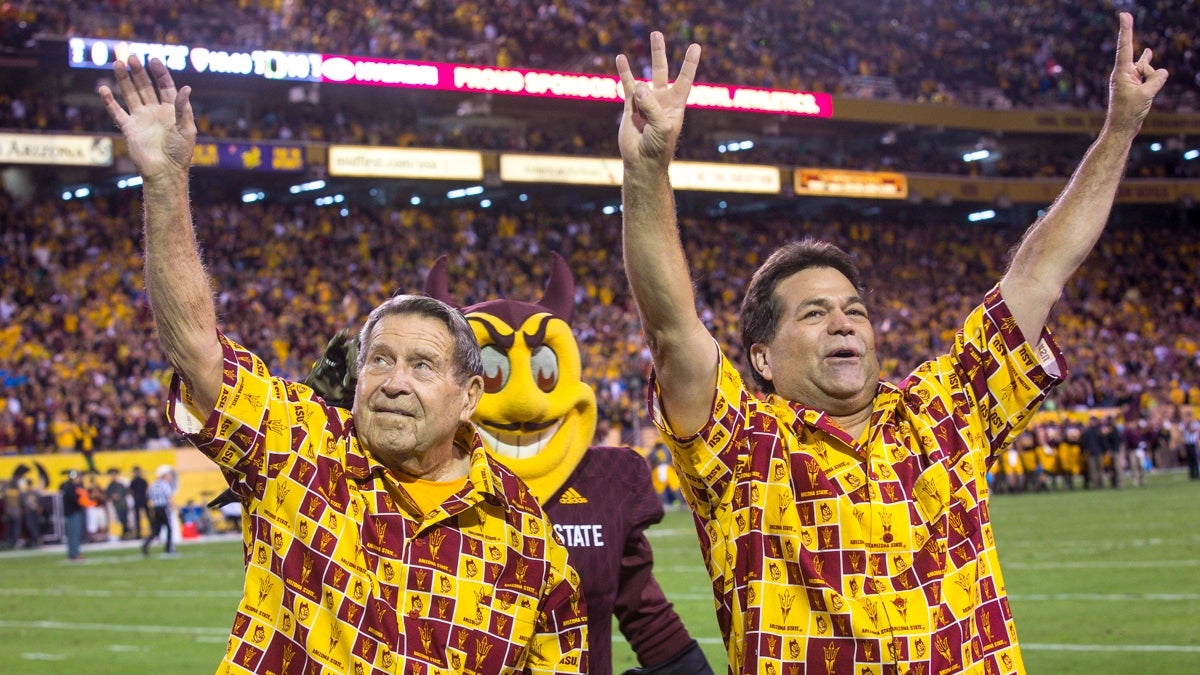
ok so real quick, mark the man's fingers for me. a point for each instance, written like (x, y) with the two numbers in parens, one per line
(658, 60)
(114, 109)
(183, 111)
(125, 85)
(141, 81)
(1125, 38)
(163, 80)
(627, 80)
(1143, 63)
(687, 73)
(647, 104)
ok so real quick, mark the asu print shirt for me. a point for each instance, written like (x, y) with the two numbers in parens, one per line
(340, 578)
(829, 555)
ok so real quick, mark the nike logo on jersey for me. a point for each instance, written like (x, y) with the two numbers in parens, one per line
(581, 535)
(572, 496)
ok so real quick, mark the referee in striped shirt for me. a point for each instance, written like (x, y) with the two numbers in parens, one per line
(160, 493)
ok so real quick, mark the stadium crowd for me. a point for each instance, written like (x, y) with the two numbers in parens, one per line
(936, 52)
(947, 50)
(79, 369)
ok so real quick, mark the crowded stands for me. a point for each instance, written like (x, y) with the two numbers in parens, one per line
(79, 366)
(78, 337)
(912, 49)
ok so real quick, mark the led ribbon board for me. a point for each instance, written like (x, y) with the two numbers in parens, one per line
(378, 72)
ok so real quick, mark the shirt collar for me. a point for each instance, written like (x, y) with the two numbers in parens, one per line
(482, 476)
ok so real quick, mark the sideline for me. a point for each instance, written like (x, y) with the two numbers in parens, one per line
(117, 545)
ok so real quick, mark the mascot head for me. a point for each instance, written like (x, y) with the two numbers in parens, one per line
(536, 416)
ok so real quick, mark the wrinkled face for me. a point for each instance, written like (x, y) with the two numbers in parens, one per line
(823, 353)
(536, 415)
(408, 403)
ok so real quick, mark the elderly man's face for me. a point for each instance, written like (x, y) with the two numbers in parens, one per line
(409, 403)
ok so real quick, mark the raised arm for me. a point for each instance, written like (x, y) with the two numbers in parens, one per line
(1054, 246)
(161, 132)
(685, 356)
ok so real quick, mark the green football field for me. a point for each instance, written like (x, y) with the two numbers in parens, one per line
(1100, 582)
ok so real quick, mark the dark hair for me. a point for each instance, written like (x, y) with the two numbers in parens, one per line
(761, 307)
(467, 358)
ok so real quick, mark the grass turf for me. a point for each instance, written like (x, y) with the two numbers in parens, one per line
(1100, 582)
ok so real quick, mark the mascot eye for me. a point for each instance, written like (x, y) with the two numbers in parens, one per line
(496, 369)
(544, 366)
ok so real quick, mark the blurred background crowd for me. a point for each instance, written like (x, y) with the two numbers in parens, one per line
(80, 370)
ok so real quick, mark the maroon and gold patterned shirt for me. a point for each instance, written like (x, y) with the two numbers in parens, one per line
(829, 555)
(340, 578)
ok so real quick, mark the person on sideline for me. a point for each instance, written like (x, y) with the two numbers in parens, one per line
(844, 519)
(161, 495)
(139, 488)
(117, 495)
(381, 538)
(75, 502)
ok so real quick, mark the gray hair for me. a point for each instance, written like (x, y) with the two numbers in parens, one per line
(467, 358)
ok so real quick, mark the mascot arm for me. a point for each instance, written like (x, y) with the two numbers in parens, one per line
(645, 617)
(333, 378)
(649, 621)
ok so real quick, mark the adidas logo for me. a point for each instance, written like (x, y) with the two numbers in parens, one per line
(572, 496)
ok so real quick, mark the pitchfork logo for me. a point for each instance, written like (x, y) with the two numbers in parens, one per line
(786, 600)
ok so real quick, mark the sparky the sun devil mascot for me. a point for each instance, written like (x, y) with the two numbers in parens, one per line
(538, 417)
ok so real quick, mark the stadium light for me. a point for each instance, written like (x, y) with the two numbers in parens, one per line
(132, 181)
(484, 203)
(523, 197)
(465, 192)
(251, 197)
(736, 146)
(981, 215)
(307, 187)
(330, 199)
(976, 156)
(1191, 154)
(1155, 147)
(608, 210)
(414, 200)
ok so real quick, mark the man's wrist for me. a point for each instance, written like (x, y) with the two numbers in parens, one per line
(165, 181)
(646, 174)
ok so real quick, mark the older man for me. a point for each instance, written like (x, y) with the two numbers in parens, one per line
(382, 539)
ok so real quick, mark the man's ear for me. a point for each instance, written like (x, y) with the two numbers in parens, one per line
(760, 360)
(472, 394)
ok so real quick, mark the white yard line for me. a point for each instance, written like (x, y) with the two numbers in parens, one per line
(115, 627)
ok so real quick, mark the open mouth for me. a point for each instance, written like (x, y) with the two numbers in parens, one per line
(520, 444)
